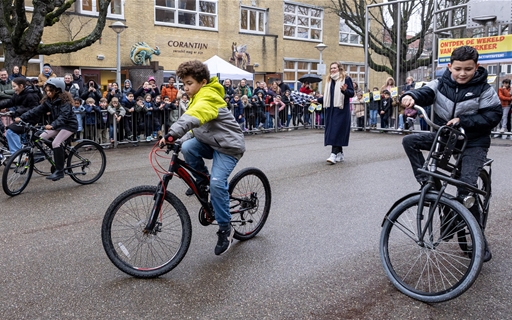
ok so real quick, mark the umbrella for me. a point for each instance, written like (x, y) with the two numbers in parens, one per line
(310, 78)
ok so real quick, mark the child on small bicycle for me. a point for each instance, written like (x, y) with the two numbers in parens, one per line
(64, 124)
(209, 130)
(461, 96)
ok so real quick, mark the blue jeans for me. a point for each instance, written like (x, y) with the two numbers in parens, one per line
(14, 141)
(194, 153)
(373, 117)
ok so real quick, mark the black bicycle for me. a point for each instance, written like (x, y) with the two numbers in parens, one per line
(85, 162)
(146, 231)
(431, 245)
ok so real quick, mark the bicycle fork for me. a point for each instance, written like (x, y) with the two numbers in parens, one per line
(154, 225)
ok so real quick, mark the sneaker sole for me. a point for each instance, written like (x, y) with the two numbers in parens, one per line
(330, 162)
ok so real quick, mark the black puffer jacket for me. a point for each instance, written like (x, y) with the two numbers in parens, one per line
(475, 103)
(21, 103)
(62, 114)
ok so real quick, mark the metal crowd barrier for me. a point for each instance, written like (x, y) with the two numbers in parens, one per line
(144, 128)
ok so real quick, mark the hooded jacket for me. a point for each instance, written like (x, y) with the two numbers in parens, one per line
(126, 90)
(22, 102)
(210, 121)
(61, 113)
(475, 103)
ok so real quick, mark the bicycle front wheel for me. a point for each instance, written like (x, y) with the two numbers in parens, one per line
(17, 172)
(86, 162)
(432, 268)
(250, 199)
(139, 253)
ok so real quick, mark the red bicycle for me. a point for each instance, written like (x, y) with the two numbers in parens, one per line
(146, 231)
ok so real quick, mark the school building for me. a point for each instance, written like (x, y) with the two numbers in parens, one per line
(280, 39)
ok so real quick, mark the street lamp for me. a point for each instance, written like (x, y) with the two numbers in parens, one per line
(118, 27)
(320, 70)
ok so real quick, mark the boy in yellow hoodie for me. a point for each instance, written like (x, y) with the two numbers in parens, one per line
(208, 130)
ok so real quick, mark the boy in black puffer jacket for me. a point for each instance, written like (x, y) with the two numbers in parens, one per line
(461, 96)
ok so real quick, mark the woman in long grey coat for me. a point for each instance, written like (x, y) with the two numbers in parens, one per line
(336, 101)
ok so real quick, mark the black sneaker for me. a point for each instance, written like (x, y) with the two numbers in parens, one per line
(225, 240)
(487, 252)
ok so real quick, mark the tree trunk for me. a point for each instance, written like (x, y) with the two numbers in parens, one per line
(12, 59)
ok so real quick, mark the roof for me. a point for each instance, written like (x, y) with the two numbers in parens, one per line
(225, 70)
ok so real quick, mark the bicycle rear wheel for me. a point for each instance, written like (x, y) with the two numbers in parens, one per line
(86, 162)
(150, 254)
(17, 172)
(436, 269)
(250, 199)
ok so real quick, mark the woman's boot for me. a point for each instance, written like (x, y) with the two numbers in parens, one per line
(58, 158)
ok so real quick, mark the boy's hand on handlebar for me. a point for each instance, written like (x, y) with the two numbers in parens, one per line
(453, 122)
(17, 119)
(166, 140)
(408, 101)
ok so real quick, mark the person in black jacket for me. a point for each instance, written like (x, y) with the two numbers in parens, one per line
(461, 96)
(64, 124)
(91, 90)
(114, 91)
(25, 97)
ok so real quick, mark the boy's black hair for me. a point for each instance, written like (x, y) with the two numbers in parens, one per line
(464, 53)
(506, 81)
(386, 92)
(196, 69)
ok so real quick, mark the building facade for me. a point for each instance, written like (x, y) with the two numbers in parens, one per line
(279, 37)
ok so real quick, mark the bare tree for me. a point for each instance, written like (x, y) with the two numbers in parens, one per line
(384, 34)
(74, 24)
(21, 38)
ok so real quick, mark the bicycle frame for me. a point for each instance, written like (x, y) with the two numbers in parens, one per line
(184, 171)
(442, 151)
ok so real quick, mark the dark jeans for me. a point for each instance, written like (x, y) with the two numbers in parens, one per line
(471, 163)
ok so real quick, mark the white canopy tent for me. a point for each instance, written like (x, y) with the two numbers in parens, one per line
(225, 70)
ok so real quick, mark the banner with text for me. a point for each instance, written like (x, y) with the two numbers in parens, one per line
(496, 49)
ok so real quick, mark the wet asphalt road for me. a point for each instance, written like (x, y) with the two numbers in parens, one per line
(316, 258)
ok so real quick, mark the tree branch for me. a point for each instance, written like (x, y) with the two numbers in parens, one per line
(73, 46)
(54, 16)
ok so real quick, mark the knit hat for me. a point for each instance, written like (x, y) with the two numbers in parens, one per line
(47, 65)
(151, 78)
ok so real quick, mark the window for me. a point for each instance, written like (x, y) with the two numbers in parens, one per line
(302, 22)
(201, 14)
(506, 68)
(293, 70)
(492, 69)
(356, 73)
(347, 35)
(253, 20)
(91, 7)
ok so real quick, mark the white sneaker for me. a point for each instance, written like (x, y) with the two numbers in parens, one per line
(340, 157)
(331, 159)
(502, 130)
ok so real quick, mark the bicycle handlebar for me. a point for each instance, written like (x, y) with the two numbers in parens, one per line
(426, 118)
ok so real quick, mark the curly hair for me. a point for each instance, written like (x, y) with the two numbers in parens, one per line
(65, 97)
(194, 68)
